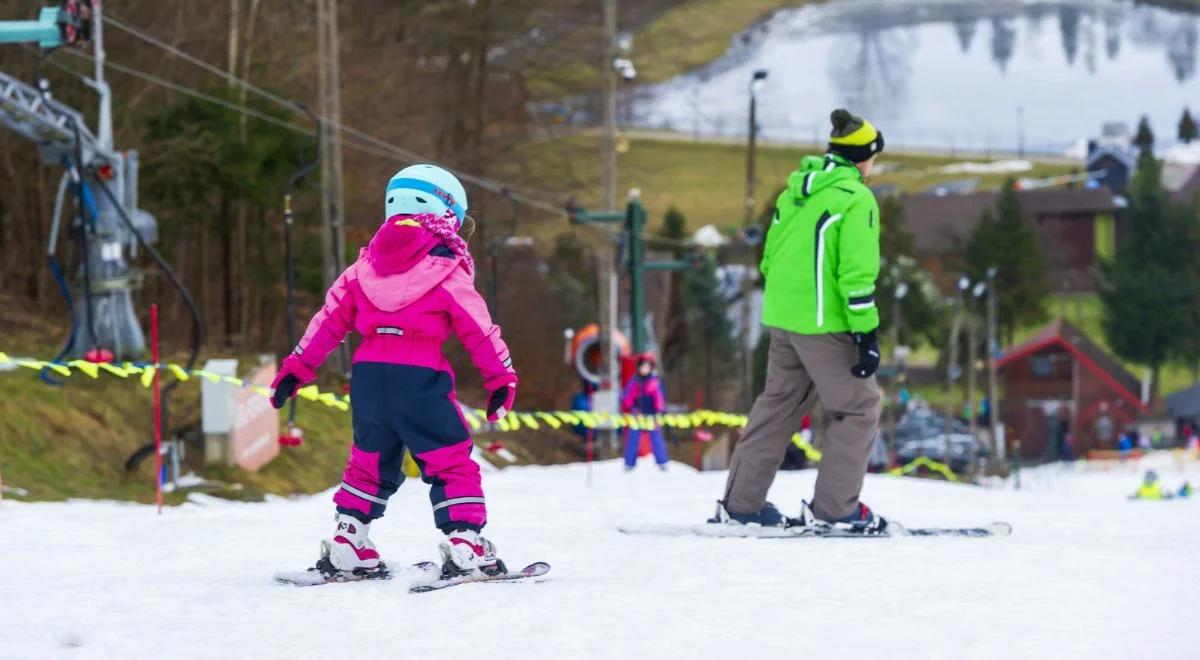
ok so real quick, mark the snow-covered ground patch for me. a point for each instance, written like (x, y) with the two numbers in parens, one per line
(1183, 154)
(991, 167)
(1086, 574)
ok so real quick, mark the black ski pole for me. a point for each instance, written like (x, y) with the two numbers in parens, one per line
(289, 266)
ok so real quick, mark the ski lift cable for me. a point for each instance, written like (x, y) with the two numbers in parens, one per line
(390, 154)
(386, 150)
(396, 152)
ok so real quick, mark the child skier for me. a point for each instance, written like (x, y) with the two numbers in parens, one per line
(644, 396)
(409, 289)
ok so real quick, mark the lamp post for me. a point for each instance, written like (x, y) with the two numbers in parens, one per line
(897, 316)
(952, 368)
(757, 80)
(993, 350)
(756, 84)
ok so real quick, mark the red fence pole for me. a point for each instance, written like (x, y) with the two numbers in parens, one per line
(158, 460)
(591, 444)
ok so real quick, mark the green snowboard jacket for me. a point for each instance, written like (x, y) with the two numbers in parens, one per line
(821, 258)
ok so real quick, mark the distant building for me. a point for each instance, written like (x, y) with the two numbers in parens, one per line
(1075, 228)
(1061, 384)
(1114, 155)
(1182, 181)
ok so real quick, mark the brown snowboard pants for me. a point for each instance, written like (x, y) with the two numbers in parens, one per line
(801, 370)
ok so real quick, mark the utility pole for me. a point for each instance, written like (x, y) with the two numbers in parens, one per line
(330, 107)
(610, 105)
(607, 300)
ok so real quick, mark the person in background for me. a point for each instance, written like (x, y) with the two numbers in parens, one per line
(644, 396)
(1104, 428)
(1151, 488)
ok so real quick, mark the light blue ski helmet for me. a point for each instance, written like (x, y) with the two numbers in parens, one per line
(426, 189)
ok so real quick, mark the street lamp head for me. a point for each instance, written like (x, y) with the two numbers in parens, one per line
(759, 79)
(901, 291)
(979, 290)
(625, 67)
(964, 283)
(991, 273)
(624, 41)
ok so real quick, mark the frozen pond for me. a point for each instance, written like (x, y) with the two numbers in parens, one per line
(946, 73)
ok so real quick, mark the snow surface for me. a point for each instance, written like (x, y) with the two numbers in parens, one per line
(1086, 574)
(993, 167)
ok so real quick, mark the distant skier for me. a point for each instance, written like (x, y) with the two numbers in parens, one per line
(644, 396)
(410, 288)
(1151, 488)
(821, 261)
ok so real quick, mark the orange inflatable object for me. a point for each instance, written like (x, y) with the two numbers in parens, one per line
(586, 356)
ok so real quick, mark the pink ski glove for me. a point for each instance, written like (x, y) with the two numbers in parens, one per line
(293, 374)
(500, 402)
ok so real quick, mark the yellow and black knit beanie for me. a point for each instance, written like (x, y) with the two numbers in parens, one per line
(853, 137)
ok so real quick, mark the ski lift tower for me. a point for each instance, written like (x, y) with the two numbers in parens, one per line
(103, 181)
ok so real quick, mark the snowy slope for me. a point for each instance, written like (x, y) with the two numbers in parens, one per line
(1086, 574)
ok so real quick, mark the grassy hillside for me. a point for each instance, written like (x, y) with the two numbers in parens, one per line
(73, 441)
(706, 180)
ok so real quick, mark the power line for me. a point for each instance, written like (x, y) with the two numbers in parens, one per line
(397, 153)
(386, 151)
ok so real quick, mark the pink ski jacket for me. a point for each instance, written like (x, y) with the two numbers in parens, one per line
(405, 315)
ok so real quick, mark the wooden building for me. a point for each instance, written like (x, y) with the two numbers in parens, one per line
(1061, 384)
(1075, 229)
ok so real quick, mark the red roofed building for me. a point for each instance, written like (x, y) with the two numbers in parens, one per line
(1061, 381)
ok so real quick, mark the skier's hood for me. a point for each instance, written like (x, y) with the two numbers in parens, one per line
(817, 173)
(403, 262)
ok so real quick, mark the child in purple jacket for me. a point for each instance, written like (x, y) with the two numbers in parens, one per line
(410, 288)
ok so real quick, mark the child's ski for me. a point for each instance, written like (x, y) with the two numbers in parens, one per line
(719, 530)
(315, 575)
(534, 570)
(324, 573)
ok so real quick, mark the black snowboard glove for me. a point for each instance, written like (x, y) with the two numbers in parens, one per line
(868, 353)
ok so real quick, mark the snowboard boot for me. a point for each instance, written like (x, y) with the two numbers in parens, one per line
(768, 516)
(350, 551)
(862, 522)
(466, 551)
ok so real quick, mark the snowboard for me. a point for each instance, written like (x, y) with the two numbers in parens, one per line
(718, 530)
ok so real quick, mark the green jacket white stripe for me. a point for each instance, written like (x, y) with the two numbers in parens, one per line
(821, 259)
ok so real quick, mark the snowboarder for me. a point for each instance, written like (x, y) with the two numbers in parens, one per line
(820, 262)
(410, 288)
(644, 396)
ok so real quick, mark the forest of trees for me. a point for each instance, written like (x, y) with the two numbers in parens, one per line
(457, 82)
